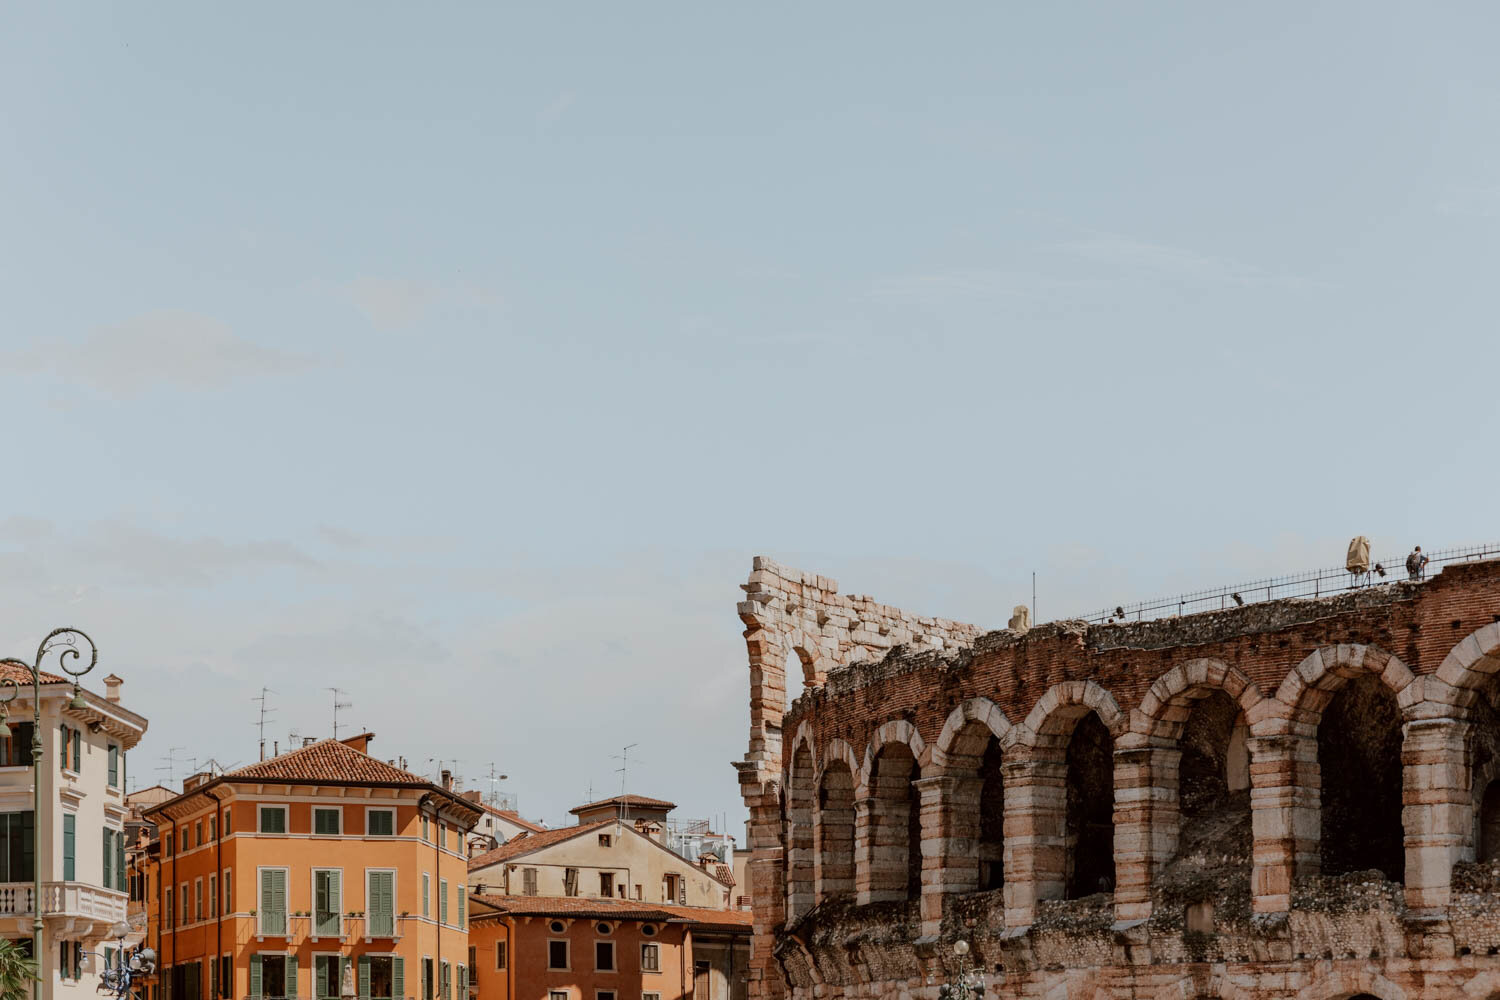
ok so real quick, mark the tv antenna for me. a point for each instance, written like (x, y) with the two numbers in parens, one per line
(265, 710)
(340, 700)
(624, 758)
(495, 780)
(171, 764)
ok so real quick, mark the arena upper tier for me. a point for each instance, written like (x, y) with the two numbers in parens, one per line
(1294, 799)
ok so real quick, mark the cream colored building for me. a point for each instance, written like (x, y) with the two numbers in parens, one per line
(79, 841)
(603, 858)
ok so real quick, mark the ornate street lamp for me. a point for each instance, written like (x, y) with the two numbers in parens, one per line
(67, 644)
(969, 983)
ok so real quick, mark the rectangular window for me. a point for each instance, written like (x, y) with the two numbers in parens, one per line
(381, 977)
(213, 827)
(114, 766)
(380, 822)
(328, 902)
(213, 895)
(650, 958)
(226, 976)
(650, 996)
(187, 903)
(273, 902)
(70, 847)
(228, 886)
(463, 897)
(499, 954)
(605, 840)
(227, 828)
(198, 899)
(528, 881)
(426, 829)
(166, 849)
(638, 891)
(606, 883)
(442, 901)
(557, 995)
(198, 834)
(119, 860)
(17, 749)
(604, 956)
(276, 975)
(273, 819)
(570, 881)
(328, 977)
(327, 821)
(604, 995)
(171, 910)
(447, 974)
(380, 903)
(557, 954)
(427, 979)
(426, 895)
(78, 753)
(213, 978)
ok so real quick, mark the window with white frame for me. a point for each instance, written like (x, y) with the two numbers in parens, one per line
(650, 958)
(500, 954)
(557, 954)
(650, 996)
(228, 907)
(272, 903)
(328, 821)
(380, 822)
(380, 902)
(213, 895)
(328, 900)
(604, 956)
(272, 819)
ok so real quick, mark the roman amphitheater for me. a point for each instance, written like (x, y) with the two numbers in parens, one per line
(1291, 799)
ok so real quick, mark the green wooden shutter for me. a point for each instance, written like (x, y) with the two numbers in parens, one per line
(381, 904)
(426, 891)
(398, 977)
(62, 758)
(109, 857)
(463, 982)
(291, 975)
(120, 861)
(280, 883)
(364, 975)
(255, 975)
(114, 766)
(463, 895)
(70, 866)
(442, 901)
(78, 750)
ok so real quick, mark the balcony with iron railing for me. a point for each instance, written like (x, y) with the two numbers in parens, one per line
(1311, 584)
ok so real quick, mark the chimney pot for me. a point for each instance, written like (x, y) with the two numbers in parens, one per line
(112, 688)
(447, 779)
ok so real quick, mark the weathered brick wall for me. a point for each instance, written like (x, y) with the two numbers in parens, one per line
(1269, 923)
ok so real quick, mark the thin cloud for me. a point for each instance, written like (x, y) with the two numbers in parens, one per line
(161, 348)
(556, 108)
(1165, 261)
(399, 303)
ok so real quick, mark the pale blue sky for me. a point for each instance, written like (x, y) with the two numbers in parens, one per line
(464, 359)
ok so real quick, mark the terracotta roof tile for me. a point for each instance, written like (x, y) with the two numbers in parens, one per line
(575, 906)
(705, 916)
(626, 800)
(513, 817)
(517, 846)
(327, 760)
(22, 675)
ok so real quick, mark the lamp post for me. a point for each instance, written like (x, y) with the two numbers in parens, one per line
(64, 643)
(968, 984)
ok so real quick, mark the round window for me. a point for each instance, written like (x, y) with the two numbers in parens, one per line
(603, 928)
(558, 927)
(648, 929)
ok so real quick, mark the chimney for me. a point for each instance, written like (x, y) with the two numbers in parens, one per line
(447, 779)
(472, 795)
(112, 689)
(360, 742)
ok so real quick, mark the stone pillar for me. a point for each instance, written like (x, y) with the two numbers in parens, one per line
(1437, 807)
(950, 830)
(1035, 831)
(1284, 816)
(767, 873)
(880, 849)
(1146, 824)
(767, 696)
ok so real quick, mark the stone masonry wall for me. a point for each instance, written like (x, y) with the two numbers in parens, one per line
(1223, 894)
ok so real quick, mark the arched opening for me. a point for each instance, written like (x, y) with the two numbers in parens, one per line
(895, 826)
(1089, 810)
(1359, 760)
(835, 832)
(799, 834)
(978, 818)
(1489, 823)
(796, 675)
(1214, 836)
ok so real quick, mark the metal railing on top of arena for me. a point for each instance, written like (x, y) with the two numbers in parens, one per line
(1315, 583)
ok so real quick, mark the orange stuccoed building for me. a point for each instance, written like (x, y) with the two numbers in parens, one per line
(319, 873)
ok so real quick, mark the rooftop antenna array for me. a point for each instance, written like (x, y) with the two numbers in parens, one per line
(265, 710)
(340, 700)
(171, 764)
(624, 758)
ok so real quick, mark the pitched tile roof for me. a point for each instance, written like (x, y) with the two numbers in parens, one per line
(519, 845)
(326, 760)
(615, 909)
(513, 817)
(626, 800)
(22, 675)
(574, 906)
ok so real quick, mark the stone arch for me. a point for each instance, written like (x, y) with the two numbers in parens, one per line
(804, 737)
(980, 710)
(839, 750)
(1341, 984)
(1056, 712)
(1311, 685)
(888, 817)
(967, 830)
(894, 731)
(800, 799)
(1165, 708)
(1470, 664)
(834, 820)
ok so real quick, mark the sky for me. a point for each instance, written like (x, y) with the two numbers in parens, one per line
(462, 357)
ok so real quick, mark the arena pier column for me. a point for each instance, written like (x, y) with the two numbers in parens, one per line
(950, 831)
(1035, 831)
(1146, 824)
(1437, 808)
(1284, 813)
